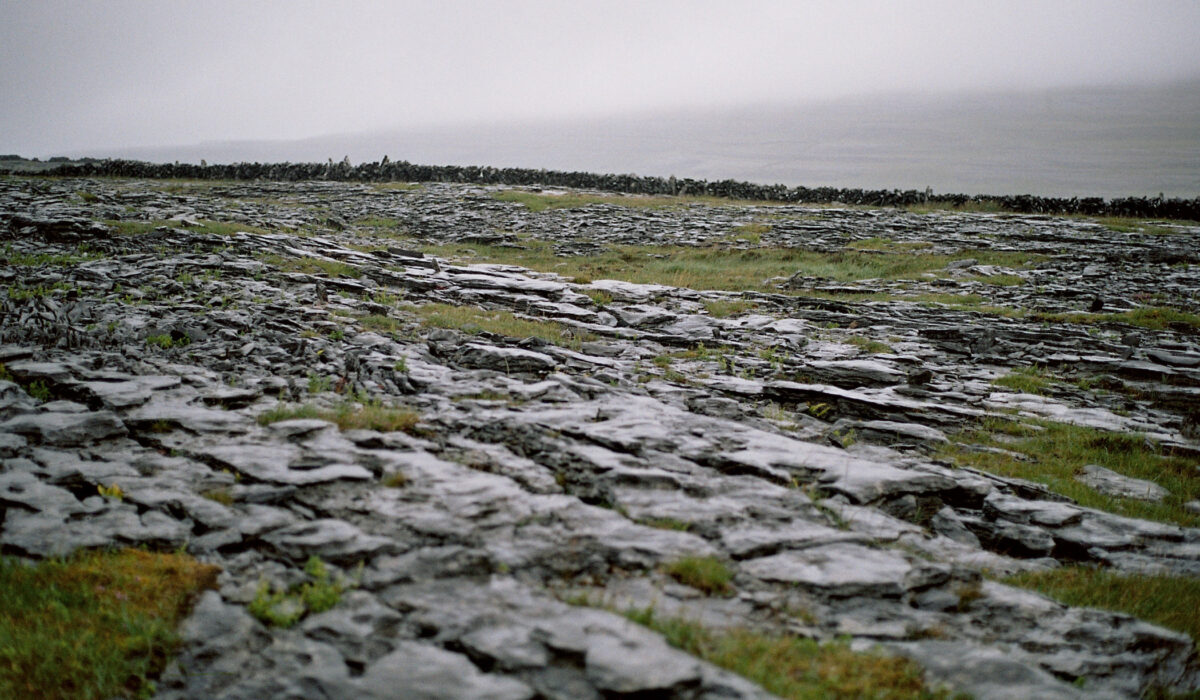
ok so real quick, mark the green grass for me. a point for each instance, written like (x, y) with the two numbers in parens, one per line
(10, 257)
(96, 625)
(1157, 318)
(1122, 224)
(708, 575)
(349, 415)
(1027, 380)
(1170, 601)
(312, 266)
(720, 268)
(284, 608)
(473, 319)
(165, 341)
(794, 667)
(667, 524)
(396, 186)
(376, 322)
(1057, 452)
(750, 233)
(867, 345)
(725, 309)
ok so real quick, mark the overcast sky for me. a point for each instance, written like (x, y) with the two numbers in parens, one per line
(76, 75)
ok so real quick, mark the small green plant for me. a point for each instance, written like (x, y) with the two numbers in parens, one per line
(401, 365)
(600, 297)
(38, 390)
(819, 410)
(284, 608)
(112, 492)
(395, 480)
(318, 384)
(706, 574)
(165, 341)
(222, 495)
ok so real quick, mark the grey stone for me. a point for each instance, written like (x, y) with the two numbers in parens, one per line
(477, 356)
(840, 570)
(425, 672)
(66, 428)
(1111, 483)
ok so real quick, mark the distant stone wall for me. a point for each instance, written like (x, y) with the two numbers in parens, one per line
(1142, 207)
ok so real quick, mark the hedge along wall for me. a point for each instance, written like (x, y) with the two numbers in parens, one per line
(401, 171)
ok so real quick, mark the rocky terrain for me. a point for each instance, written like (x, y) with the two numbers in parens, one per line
(263, 373)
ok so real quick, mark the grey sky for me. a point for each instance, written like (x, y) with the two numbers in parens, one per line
(78, 75)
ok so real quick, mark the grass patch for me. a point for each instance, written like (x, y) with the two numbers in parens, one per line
(794, 667)
(349, 415)
(867, 345)
(166, 342)
(473, 319)
(1057, 452)
(1122, 224)
(713, 267)
(312, 266)
(376, 322)
(1027, 380)
(706, 574)
(10, 257)
(725, 309)
(750, 233)
(396, 186)
(95, 625)
(1170, 601)
(1158, 318)
(598, 296)
(667, 524)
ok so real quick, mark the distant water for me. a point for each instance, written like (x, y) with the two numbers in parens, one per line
(1084, 142)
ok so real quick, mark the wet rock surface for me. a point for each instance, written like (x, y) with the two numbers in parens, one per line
(530, 473)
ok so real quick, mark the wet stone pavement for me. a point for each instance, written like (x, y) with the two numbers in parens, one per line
(538, 473)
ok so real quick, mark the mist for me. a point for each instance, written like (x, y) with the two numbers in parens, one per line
(707, 89)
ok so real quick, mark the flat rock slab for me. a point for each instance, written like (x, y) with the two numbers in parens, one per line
(66, 429)
(273, 463)
(1111, 483)
(838, 570)
(420, 671)
(507, 360)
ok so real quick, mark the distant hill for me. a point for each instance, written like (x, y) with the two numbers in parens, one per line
(1097, 141)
